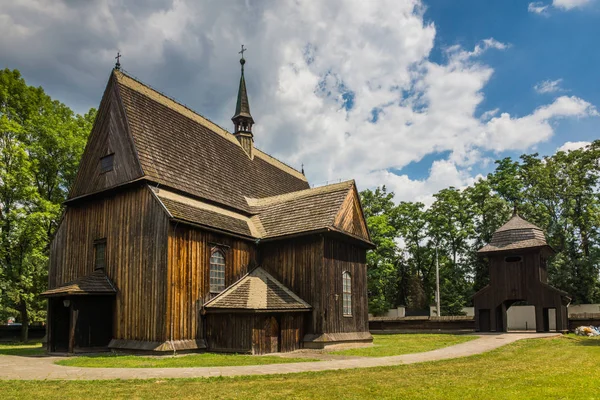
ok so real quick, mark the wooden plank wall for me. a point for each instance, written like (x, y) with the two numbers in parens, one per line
(312, 268)
(350, 218)
(109, 135)
(339, 257)
(135, 227)
(229, 332)
(188, 278)
(292, 331)
(297, 264)
(245, 333)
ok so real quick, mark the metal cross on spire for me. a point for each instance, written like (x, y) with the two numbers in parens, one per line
(118, 63)
(242, 61)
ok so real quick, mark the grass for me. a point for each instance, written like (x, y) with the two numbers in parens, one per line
(558, 368)
(393, 345)
(20, 349)
(191, 360)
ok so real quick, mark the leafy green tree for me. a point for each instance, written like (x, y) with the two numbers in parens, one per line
(489, 212)
(384, 262)
(41, 142)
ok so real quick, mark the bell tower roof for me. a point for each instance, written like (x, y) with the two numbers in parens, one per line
(515, 234)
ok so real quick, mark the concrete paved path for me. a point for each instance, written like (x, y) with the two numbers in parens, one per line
(39, 368)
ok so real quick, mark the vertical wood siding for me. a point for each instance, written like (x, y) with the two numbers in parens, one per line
(312, 268)
(135, 227)
(188, 278)
(298, 264)
(247, 333)
(339, 257)
(350, 217)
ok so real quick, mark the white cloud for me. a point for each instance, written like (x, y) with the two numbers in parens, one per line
(548, 86)
(541, 8)
(568, 146)
(508, 133)
(537, 7)
(305, 61)
(570, 4)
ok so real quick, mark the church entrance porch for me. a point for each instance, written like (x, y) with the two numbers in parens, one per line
(79, 323)
(80, 314)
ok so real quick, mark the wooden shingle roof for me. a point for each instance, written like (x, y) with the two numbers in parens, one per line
(257, 291)
(180, 149)
(516, 234)
(185, 209)
(294, 213)
(96, 283)
(302, 211)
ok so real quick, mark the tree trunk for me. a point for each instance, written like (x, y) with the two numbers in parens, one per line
(24, 321)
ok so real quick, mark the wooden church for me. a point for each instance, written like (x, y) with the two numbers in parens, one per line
(518, 256)
(179, 235)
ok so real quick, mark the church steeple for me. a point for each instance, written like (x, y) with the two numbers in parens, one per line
(242, 119)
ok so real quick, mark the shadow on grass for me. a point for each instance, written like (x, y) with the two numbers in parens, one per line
(590, 341)
(22, 349)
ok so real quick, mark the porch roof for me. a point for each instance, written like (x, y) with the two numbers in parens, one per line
(257, 291)
(96, 283)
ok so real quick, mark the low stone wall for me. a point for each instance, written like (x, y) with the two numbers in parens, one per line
(421, 324)
(583, 319)
(12, 333)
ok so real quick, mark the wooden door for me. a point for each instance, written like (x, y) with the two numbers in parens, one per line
(484, 320)
(273, 335)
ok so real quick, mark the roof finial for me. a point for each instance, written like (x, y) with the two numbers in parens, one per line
(302, 168)
(515, 208)
(118, 63)
(242, 60)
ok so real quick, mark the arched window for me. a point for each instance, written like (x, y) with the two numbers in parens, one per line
(347, 290)
(217, 271)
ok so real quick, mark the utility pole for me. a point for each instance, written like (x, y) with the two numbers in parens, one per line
(437, 282)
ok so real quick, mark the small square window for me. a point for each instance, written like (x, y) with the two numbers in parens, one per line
(106, 163)
(100, 254)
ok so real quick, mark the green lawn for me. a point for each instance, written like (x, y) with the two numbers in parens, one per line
(191, 360)
(20, 349)
(393, 345)
(557, 368)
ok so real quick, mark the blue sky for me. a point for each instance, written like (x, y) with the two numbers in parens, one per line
(417, 95)
(557, 45)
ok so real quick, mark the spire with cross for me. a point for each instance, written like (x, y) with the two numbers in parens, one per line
(242, 60)
(118, 63)
(242, 119)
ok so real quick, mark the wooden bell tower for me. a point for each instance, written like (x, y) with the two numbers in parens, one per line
(517, 256)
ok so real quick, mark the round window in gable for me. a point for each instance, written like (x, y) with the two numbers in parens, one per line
(513, 259)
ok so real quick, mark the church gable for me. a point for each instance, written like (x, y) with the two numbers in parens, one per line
(182, 150)
(110, 157)
(350, 217)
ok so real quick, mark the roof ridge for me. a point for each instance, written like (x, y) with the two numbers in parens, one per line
(195, 116)
(174, 100)
(266, 201)
(516, 219)
(276, 161)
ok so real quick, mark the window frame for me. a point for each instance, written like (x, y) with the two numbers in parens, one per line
(110, 157)
(214, 289)
(100, 243)
(346, 294)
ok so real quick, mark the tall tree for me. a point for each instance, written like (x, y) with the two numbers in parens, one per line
(383, 263)
(41, 142)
